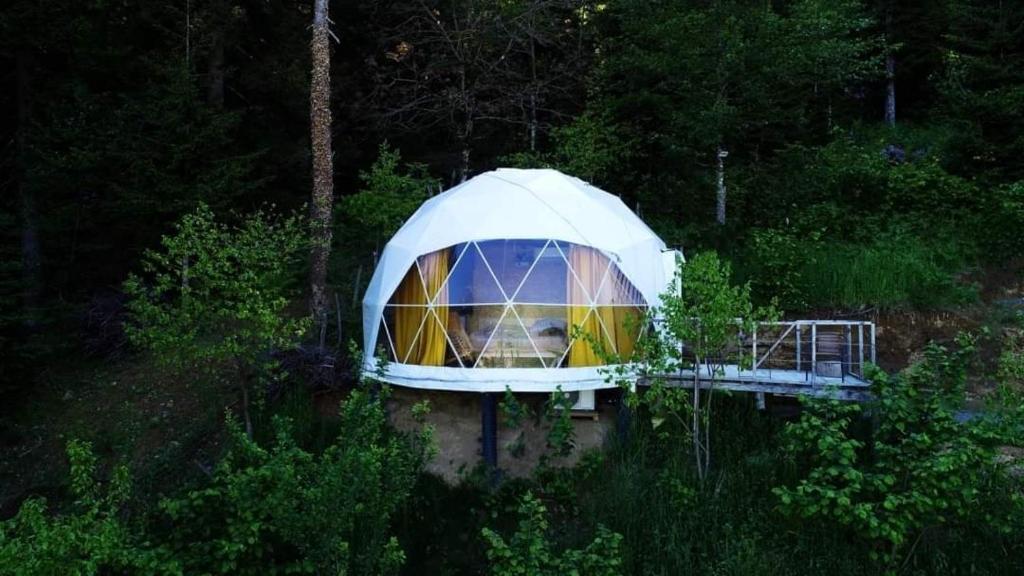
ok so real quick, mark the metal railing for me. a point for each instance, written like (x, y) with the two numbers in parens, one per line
(816, 350)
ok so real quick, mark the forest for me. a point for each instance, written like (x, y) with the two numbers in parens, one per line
(196, 194)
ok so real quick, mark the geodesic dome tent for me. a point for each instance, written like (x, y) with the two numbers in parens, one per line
(481, 288)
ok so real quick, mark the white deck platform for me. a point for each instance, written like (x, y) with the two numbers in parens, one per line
(780, 382)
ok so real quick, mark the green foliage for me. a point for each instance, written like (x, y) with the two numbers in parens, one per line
(1011, 359)
(982, 86)
(218, 292)
(704, 315)
(561, 436)
(216, 295)
(922, 468)
(514, 411)
(284, 510)
(391, 193)
(529, 553)
(590, 147)
(89, 538)
(890, 271)
(711, 310)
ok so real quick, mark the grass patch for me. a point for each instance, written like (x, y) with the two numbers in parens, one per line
(887, 272)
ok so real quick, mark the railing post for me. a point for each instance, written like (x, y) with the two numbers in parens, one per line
(814, 351)
(799, 366)
(860, 346)
(873, 343)
(849, 351)
(754, 360)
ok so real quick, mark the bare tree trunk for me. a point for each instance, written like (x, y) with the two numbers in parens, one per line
(31, 258)
(466, 136)
(720, 212)
(464, 164)
(323, 174)
(246, 414)
(890, 76)
(215, 92)
(533, 94)
(695, 428)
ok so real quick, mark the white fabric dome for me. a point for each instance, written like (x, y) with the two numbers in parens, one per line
(509, 204)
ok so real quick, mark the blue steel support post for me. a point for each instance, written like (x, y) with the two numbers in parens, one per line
(489, 429)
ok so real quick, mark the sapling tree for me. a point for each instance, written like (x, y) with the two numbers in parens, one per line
(214, 298)
(703, 317)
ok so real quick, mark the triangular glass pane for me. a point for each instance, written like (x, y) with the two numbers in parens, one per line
(548, 280)
(436, 269)
(384, 347)
(461, 351)
(470, 281)
(622, 326)
(589, 346)
(588, 268)
(617, 290)
(548, 328)
(410, 292)
(404, 324)
(510, 260)
(509, 346)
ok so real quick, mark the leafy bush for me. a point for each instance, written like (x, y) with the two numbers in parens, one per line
(922, 467)
(285, 509)
(89, 538)
(528, 552)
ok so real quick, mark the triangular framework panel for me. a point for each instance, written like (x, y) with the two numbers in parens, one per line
(548, 329)
(511, 260)
(470, 280)
(509, 346)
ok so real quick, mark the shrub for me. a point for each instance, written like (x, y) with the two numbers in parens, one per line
(923, 467)
(89, 538)
(528, 552)
(285, 509)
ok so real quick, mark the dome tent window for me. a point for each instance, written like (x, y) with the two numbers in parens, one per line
(512, 303)
(481, 288)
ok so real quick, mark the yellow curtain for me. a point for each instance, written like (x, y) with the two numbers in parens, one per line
(590, 266)
(430, 347)
(627, 329)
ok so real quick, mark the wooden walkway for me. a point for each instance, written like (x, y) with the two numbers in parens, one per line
(824, 358)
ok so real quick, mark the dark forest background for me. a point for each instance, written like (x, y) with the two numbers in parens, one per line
(846, 157)
(121, 115)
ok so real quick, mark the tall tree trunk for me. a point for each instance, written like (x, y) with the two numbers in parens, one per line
(215, 92)
(323, 176)
(31, 259)
(720, 208)
(890, 90)
(890, 74)
(466, 133)
(533, 92)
